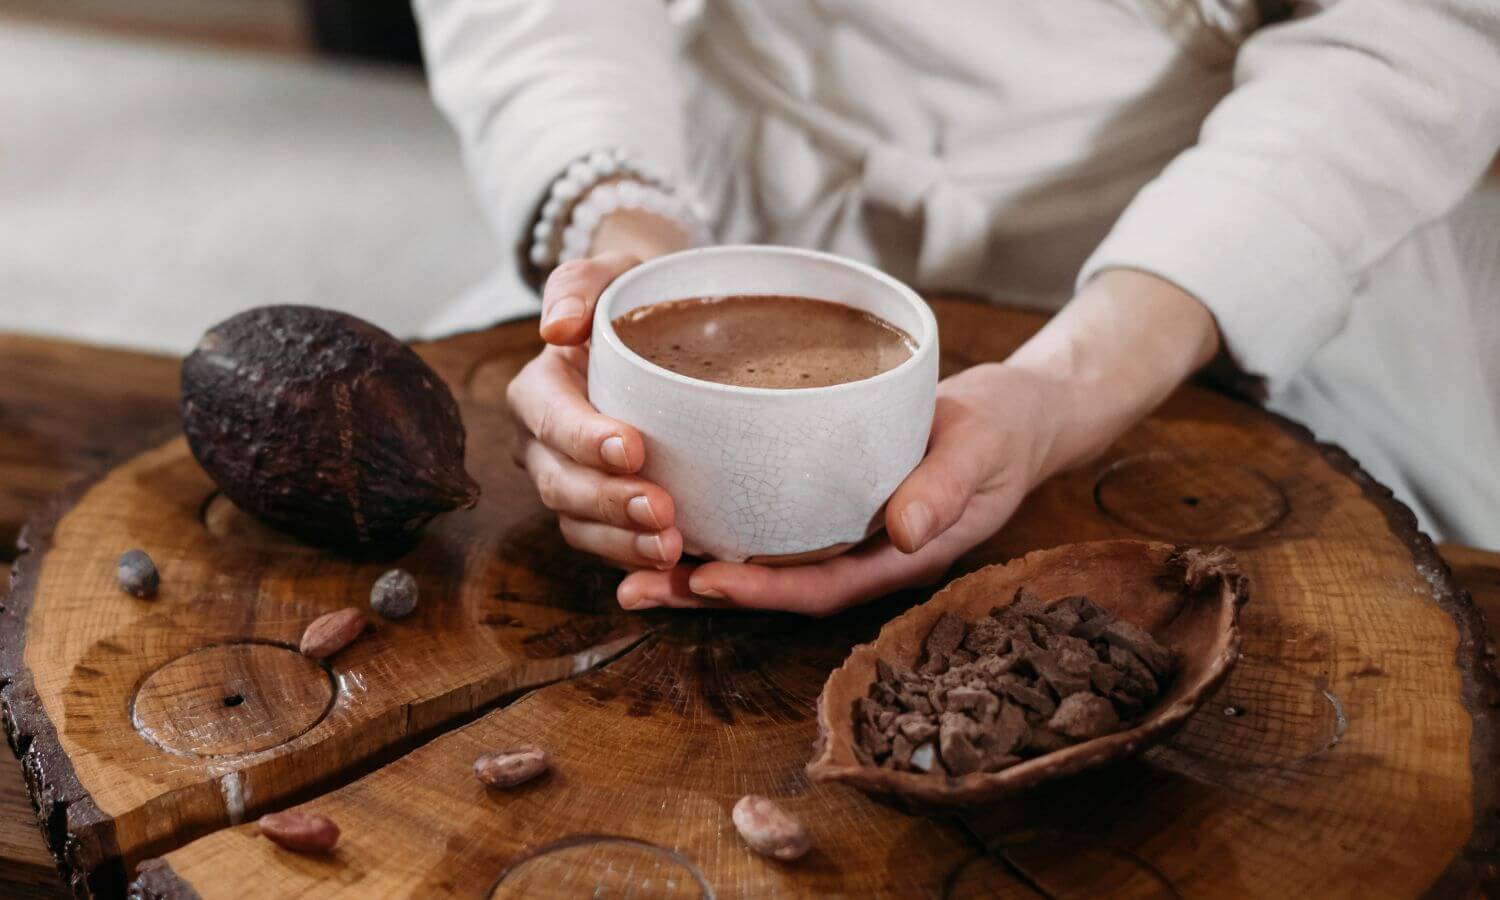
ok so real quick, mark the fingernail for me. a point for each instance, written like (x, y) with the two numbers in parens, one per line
(640, 512)
(613, 451)
(651, 547)
(917, 520)
(706, 591)
(566, 308)
(643, 603)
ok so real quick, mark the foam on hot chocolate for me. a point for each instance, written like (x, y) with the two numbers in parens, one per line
(765, 341)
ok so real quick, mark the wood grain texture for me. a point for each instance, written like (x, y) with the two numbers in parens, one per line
(26, 869)
(119, 778)
(1479, 572)
(68, 409)
(1342, 752)
(1297, 784)
(649, 755)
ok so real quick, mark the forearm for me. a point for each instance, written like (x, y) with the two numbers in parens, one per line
(1125, 343)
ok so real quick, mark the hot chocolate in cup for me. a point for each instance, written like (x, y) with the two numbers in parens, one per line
(775, 475)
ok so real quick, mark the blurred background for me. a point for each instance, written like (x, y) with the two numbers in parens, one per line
(166, 163)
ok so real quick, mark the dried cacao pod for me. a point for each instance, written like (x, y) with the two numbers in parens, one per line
(324, 426)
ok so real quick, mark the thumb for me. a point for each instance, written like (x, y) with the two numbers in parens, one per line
(935, 494)
(572, 290)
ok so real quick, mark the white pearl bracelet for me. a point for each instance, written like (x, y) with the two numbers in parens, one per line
(640, 187)
(606, 198)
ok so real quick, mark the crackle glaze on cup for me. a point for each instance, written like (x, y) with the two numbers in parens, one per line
(765, 473)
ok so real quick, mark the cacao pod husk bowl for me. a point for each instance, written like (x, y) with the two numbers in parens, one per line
(1189, 599)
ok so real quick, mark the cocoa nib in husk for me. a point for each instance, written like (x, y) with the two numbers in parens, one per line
(1036, 677)
(324, 426)
(1187, 599)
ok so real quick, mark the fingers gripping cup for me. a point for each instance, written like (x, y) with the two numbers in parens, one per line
(769, 474)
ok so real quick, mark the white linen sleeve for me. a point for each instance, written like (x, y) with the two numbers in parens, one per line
(1349, 127)
(531, 85)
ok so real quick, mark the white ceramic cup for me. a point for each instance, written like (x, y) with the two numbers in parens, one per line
(764, 474)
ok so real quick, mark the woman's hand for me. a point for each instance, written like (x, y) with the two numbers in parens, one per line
(1125, 343)
(582, 462)
(983, 458)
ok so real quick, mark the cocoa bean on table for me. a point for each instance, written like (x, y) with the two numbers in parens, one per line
(332, 632)
(513, 767)
(769, 829)
(394, 595)
(137, 575)
(300, 832)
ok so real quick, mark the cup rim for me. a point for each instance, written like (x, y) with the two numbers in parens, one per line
(604, 326)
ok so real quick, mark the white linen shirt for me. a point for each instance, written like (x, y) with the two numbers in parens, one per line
(1311, 178)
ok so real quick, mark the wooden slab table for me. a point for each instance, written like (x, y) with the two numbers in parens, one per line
(1351, 752)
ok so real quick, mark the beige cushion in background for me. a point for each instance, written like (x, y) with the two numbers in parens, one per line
(150, 189)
